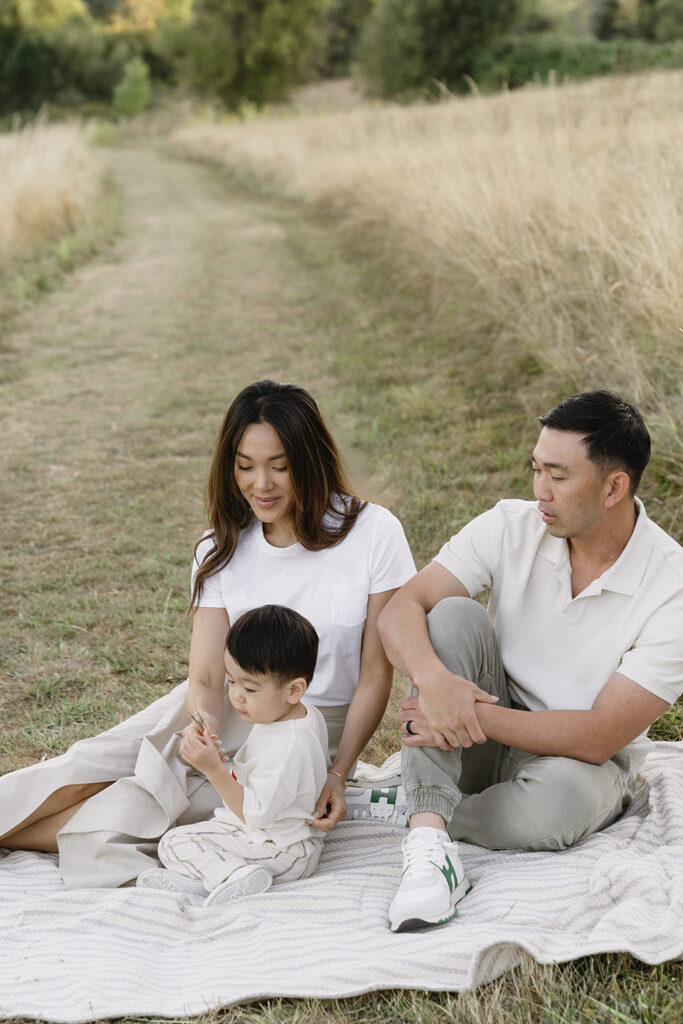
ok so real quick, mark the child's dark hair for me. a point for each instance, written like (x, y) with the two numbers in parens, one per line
(274, 640)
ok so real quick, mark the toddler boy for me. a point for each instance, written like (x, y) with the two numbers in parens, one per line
(260, 835)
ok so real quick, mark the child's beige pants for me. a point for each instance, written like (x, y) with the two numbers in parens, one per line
(210, 851)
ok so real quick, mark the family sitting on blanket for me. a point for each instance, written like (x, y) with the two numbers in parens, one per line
(525, 726)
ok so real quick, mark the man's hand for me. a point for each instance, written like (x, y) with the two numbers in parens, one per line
(332, 797)
(421, 734)
(448, 710)
(201, 751)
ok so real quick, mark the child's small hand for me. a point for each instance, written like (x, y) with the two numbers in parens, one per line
(200, 750)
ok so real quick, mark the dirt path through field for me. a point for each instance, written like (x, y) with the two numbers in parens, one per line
(111, 393)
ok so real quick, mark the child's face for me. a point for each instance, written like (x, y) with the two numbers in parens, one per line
(259, 698)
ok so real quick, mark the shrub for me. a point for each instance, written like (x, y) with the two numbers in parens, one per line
(67, 66)
(407, 44)
(521, 59)
(131, 95)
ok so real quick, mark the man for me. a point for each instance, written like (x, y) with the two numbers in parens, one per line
(526, 725)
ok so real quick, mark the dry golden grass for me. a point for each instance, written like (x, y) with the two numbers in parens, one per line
(50, 177)
(555, 215)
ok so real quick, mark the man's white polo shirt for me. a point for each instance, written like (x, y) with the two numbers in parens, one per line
(559, 651)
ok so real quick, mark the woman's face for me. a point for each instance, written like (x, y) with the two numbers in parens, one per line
(262, 476)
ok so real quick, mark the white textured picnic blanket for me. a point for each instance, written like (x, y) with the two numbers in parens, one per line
(80, 955)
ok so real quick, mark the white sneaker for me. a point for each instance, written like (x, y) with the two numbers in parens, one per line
(388, 805)
(433, 881)
(245, 881)
(170, 881)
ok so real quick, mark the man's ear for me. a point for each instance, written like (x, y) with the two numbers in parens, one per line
(618, 487)
(296, 688)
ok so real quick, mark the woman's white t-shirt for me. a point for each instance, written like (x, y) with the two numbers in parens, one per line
(329, 587)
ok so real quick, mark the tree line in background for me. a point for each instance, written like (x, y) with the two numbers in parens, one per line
(97, 54)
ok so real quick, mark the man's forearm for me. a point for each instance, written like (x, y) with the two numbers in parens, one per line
(403, 628)
(577, 734)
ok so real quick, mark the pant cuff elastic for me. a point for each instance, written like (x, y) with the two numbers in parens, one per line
(432, 799)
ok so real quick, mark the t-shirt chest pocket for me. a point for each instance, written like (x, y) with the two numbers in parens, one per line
(349, 605)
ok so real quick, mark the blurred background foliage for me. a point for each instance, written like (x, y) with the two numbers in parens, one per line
(74, 54)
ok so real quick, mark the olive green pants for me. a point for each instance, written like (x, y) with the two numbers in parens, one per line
(493, 795)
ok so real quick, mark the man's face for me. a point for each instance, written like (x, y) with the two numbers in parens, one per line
(569, 488)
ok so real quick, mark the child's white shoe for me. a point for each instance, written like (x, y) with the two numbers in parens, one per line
(170, 881)
(245, 881)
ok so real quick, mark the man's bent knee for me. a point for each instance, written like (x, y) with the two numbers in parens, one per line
(462, 635)
(457, 613)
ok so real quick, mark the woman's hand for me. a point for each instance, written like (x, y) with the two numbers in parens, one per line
(331, 805)
(201, 751)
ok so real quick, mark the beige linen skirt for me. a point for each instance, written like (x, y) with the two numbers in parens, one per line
(113, 837)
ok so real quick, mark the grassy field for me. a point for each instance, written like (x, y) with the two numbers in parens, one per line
(50, 178)
(55, 209)
(431, 362)
(543, 229)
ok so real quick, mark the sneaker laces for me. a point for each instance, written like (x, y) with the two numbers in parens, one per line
(419, 860)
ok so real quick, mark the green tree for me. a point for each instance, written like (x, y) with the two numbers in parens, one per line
(669, 20)
(252, 50)
(605, 19)
(408, 43)
(345, 21)
(131, 95)
(47, 13)
(660, 20)
(647, 18)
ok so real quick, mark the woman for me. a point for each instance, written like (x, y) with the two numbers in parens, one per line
(285, 529)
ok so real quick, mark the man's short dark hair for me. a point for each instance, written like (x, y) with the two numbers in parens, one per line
(616, 437)
(274, 640)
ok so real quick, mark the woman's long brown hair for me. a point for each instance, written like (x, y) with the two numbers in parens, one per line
(325, 509)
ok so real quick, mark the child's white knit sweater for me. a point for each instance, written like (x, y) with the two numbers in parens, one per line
(283, 768)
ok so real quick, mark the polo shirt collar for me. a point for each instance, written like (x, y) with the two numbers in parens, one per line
(624, 576)
(554, 549)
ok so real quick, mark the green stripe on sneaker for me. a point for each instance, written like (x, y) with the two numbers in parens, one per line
(384, 794)
(448, 871)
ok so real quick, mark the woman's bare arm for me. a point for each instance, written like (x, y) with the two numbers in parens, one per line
(365, 713)
(207, 667)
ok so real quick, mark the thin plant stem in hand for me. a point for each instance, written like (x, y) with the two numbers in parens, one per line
(198, 720)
